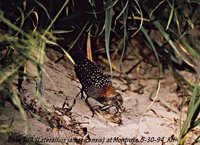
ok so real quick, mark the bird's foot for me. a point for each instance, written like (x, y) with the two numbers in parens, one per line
(90, 106)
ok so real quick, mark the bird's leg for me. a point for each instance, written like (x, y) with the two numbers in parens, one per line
(86, 100)
(89, 105)
(106, 107)
(81, 92)
(78, 94)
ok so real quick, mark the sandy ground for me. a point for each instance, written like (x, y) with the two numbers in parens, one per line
(151, 115)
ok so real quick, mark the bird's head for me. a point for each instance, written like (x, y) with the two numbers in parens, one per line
(117, 101)
(113, 98)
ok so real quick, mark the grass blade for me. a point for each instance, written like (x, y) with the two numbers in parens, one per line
(171, 14)
(108, 23)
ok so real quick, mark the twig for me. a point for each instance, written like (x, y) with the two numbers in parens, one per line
(134, 66)
(149, 107)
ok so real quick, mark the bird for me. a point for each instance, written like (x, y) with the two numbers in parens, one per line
(97, 85)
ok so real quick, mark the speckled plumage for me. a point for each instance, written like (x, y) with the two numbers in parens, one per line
(90, 75)
(95, 83)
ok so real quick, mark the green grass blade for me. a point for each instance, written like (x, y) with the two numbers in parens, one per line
(11, 25)
(22, 18)
(197, 123)
(122, 12)
(139, 11)
(11, 69)
(171, 14)
(160, 3)
(125, 17)
(16, 101)
(152, 45)
(192, 107)
(55, 18)
(108, 23)
(44, 8)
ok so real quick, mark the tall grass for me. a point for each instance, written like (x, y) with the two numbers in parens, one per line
(192, 119)
(35, 25)
(20, 47)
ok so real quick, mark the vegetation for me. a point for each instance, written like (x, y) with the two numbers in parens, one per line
(168, 28)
